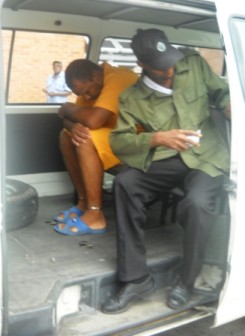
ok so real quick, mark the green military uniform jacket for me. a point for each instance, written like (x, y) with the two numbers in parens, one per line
(195, 86)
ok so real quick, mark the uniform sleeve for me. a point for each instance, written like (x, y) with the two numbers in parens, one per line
(218, 88)
(132, 148)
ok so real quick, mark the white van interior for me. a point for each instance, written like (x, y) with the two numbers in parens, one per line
(57, 284)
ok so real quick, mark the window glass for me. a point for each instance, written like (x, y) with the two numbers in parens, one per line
(215, 58)
(117, 51)
(237, 36)
(6, 40)
(32, 63)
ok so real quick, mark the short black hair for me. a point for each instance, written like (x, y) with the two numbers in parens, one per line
(57, 62)
(80, 69)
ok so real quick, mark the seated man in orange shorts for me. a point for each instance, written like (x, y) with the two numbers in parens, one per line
(84, 141)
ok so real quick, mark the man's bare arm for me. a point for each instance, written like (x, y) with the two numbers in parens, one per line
(91, 117)
(59, 94)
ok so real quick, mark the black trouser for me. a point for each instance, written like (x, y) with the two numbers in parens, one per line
(134, 189)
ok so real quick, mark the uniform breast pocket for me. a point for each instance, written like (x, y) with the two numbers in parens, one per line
(197, 104)
(163, 117)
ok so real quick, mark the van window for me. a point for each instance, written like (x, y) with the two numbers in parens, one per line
(30, 60)
(6, 38)
(117, 52)
(215, 58)
(237, 35)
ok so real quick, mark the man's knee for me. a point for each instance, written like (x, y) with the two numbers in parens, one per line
(87, 148)
(196, 202)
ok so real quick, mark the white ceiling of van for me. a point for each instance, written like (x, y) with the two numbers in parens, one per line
(199, 15)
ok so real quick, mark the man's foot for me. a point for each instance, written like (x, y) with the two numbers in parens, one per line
(75, 227)
(75, 211)
(65, 215)
(179, 295)
(127, 295)
(94, 219)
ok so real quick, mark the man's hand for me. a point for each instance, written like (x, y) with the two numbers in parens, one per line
(52, 94)
(79, 134)
(67, 110)
(176, 139)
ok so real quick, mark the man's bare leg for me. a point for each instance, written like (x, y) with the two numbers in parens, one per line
(71, 162)
(92, 172)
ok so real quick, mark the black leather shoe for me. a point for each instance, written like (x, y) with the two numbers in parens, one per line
(127, 295)
(179, 295)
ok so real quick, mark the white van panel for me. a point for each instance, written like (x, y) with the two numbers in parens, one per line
(99, 29)
(232, 299)
(2, 155)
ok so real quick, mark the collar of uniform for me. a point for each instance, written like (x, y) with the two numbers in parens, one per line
(156, 87)
(145, 91)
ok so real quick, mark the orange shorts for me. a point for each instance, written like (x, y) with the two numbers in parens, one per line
(100, 138)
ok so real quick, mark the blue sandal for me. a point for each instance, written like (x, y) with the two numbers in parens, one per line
(67, 214)
(82, 228)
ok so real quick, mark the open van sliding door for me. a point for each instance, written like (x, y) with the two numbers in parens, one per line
(231, 19)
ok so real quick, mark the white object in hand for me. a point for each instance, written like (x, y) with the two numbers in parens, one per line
(194, 138)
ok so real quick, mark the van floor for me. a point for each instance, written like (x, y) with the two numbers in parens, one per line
(41, 263)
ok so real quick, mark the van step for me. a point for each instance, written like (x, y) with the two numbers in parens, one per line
(78, 296)
(146, 315)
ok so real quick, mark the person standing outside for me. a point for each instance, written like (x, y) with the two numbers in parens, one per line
(179, 145)
(56, 89)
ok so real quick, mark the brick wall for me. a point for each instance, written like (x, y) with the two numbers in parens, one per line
(32, 62)
(214, 57)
